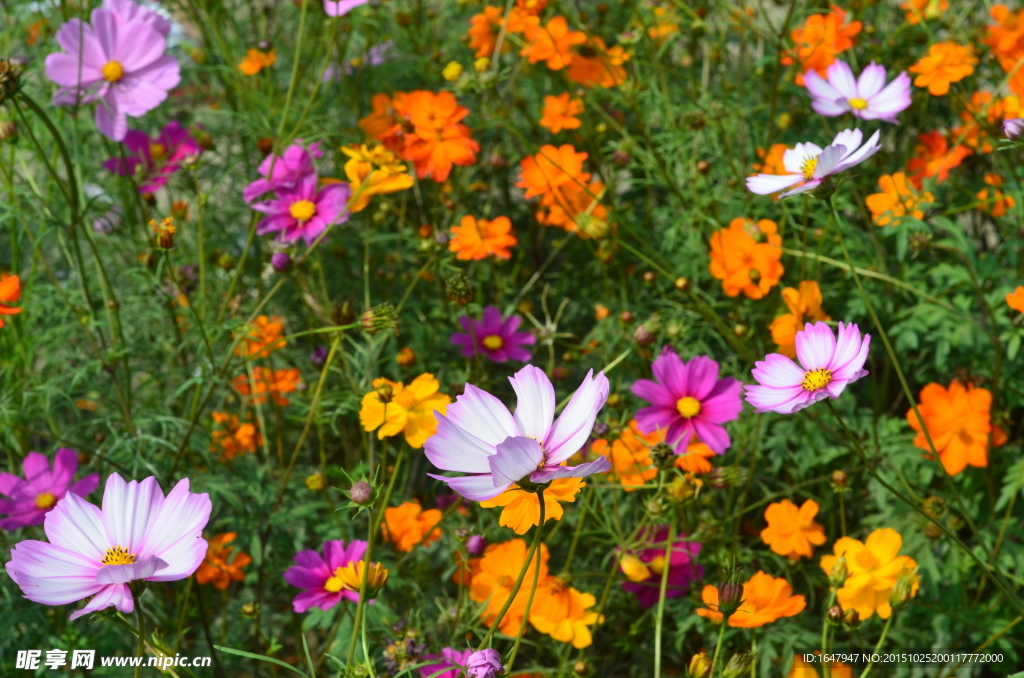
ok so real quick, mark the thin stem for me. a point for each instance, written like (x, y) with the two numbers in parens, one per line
(878, 645)
(533, 590)
(142, 635)
(663, 590)
(718, 645)
(827, 666)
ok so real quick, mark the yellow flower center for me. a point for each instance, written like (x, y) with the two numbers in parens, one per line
(113, 71)
(688, 407)
(858, 104)
(45, 500)
(809, 166)
(118, 555)
(157, 151)
(816, 379)
(303, 210)
(493, 342)
(335, 583)
(657, 565)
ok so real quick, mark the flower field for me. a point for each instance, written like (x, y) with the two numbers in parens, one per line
(433, 338)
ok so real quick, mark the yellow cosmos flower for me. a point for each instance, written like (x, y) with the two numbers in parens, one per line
(562, 612)
(873, 568)
(522, 508)
(373, 170)
(394, 408)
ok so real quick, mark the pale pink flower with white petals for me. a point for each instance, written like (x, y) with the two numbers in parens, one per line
(809, 165)
(479, 436)
(866, 97)
(1013, 127)
(337, 8)
(827, 365)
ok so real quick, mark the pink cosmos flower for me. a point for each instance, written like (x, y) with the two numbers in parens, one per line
(286, 169)
(160, 157)
(94, 553)
(682, 570)
(867, 97)
(484, 664)
(688, 399)
(338, 8)
(304, 211)
(1013, 127)
(451, 659)
(809, 166)
(32, 498)
(115, 60)
(828, 364)
(128, 10)
(493, 337)
(317, 574)
(479, 436)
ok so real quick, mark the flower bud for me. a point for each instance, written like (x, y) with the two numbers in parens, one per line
(265, 145)
(650, 276)
(461, 533)
(379, 319)
(654, 507)
(851, 618)
(406, 357)
(679, 489)
(459, 289)
(475, 545)
(163, 233)
(834, 615)
(265, 45)
(361, 493)
(250, 610)
(281, 262)
(837, 577)
(682, 284)
(700, 666)
(739, 664)
(905, 588)
(319, 356)
(10, 78)
(579, 668)
(934, 507)
(315, 482)
(385, 392)
(932, 531)
(703, 167)
(620, 157)
(8, 130)
(484, 664)
(730, 589)
(626, 317)
(663, 456)
(643, 336)
(839, 478)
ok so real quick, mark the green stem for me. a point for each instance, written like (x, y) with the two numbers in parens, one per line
(660, 615)
(826, 666)
(533, 590)
(142, 635)
(718, 646)
(878, 645)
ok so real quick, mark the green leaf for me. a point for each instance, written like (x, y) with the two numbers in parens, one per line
(260, 657)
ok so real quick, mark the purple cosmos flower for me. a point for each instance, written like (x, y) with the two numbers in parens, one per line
(336, 8)
(867, 97)
(32, 498)
(94, 553)
(116, 61)
(1013, 127)
(809, 166)
(479, 436)
(682, 571)
(493, 337)
(128, 10)
(159, 158)
(319, 575)
(484, 664)
(828, 364)
(287, 169)
(304, 211)
(451, 659)
(688, 399)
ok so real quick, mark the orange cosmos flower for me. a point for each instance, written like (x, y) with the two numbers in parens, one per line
(269, 381)
(437, 139)
(577, 211)
(771, 162)
(10, 292)
(494, 575)
(896, 200)
(563, 613)
(802, 669)
(696, 460)
(933, 158)
(1006, 38)
(873, 567)
(373, 171)
(804, 305)
(385, 123)
(483, 31)
(552, 43)
(216, 568)
(262, 338)
(765, 599)
(405, 525)
(946, 62)
(958, 422)
(819, 40)
(791, 531)
(475, 239)
(923, 9)
(594, 64)
(1000, 202)
(556, 175)
(256, 60)
(744, 264)
(233, 438)
(1015, 299)
(560, 113)
(531, 7)
(394, 408)
(630, 456)
(522, 509)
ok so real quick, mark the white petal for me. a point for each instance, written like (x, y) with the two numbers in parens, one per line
(482, 415)
(474, 488)
(819, 88)
(765, 184)
(828, 160)
(573, 426)
(841, 77)
(871, 81)
(128, 509)
(794, 158)
(535, 404)
(176, 534)
(849, 138)
(453, 448)
(863, 153)
(516, 458)
(122, 574)
(76, 525)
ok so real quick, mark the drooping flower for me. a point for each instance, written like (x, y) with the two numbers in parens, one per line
(946, 63)
(263, 337)
(521, 509)
(688, 399)
(139, 534)
(373, 171)
(809, 165)
(155, 160)
(475, 239)
(791, 531)
(10, 293)
(339, 8)
(867, 97)
(594, 64)
(256, 60)
(564, 613)
(742, 261)
(283, 171)
(395, 408)
(630, 456)
(494, 575)
(999, 202)
(933, 158)
(321, 576)
(923, 10)
(896, 200)
(266, 380)
(304, 211)
(645, 578)
(480, 437)
(873, 566)
(29, 500)
(828, 365)
(804, 304)
(765, 599)
(234, 437)
(437, 139)
(405, 525)
(216, 568)
(817, 42)
(551, 44)
(116, 60)
(959, 423)
(560, 113)
(494, 338)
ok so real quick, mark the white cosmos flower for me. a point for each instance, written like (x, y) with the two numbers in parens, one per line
(808, 165)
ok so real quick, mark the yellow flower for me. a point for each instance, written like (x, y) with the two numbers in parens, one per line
(562, 612)
(873, 568)
(351, 577)
(522, 508)
(452, 71)
(409, 409)
(634, 568)
(373, 170)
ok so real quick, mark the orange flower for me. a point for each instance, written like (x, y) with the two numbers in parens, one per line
(494, 575)
(791, 531)
(262, 338)
(595, 64)
(405, 525)
(923, 9)
(1015, 299)
(947, 62)
(385, 123)
(437, 139)
(531, 7)
(802, 669)
(522, 509)
(742, 263)
(557, 176)
(560, 113)
(34, 31)
(577, 211)
(896, 200)
(483, 31)
(373, 171)
(233, 438)
(630, 456)
(873, 567)
(476, 239)
(771, 162)
(804, 306)
(958, 422)
(10, 292)
(256, 60)
(406, 357)
(695, 461)
(563, 613)
(552, 43)
(819, 40)
(933, 158)
(269, 381)
(1000, 202)
(1006, 38)
(216, 568)
(765, 599)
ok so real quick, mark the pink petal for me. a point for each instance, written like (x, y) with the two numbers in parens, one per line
(712, 435)
(815, 345)
(702, 375)
(781, 400)
(117, 595)
(65, 463)
(453, 448)
(474, 488)
(766, 184)
(549, 473)
(76, 525)
(871, 81)
(517, 457)
(841, 78)
(481, 414)
(777, 371)
(110, 117)
(572, 428)
(122, 574)
(670, 371)
(650, 419)
(175, 534)
(819, 88)
(52, 575)
(654, 393)
(723, 403)
(35, 465)
(535, 402)
(86, 485)
(128, 509)
(315, 598)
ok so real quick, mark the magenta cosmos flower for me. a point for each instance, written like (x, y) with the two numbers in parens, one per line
(828, 363)
(866, 97)
(451, 659)
(493, 337)
(159, 158)
(478, 435)
(128, 10)
(809, 165)
(283, 171)
(688, 399)
(94, 553)
(29, 500)
(304, 211)
(117, 61)
(319, 575)
(336, 8)
(646, 575)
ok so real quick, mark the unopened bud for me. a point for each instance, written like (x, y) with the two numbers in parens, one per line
(851, 618)
(265, 45)
(935, 507)
(459, 289)
(579, 668)
(281, 262)
(837, 576)
(361, 493)
(643, 335)
(700, 666)
(315, 482)
(839, 478)
(932, 531)
(682, 284)
(385, 393)
(163, 233)
(319, 356)
(739, 664)
(703, 167)
(834, 615)
(475, 545)
(663, 456)
(8, 130)
(379, 319)
(10, 78)
(740, 330)
(650, 276)
(250, 610)
(461, 533)
(654, 507)
(626, 317)
(730, 589)
(905, 588)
